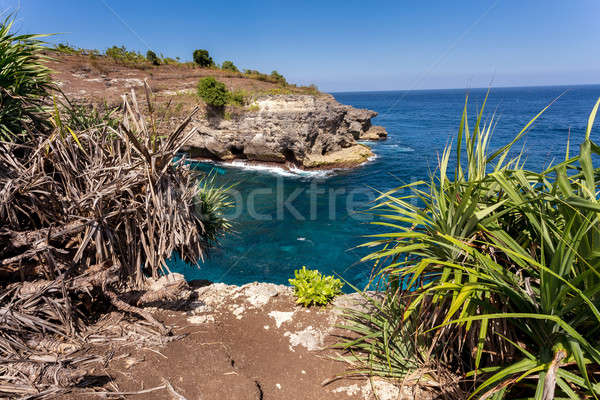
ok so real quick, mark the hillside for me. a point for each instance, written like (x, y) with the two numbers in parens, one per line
(99, 79)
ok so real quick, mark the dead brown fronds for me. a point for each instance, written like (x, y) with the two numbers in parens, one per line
(86, 216)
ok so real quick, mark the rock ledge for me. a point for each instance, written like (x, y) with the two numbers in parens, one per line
(297, 130)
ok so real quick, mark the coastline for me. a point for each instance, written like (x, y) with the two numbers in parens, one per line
(286, 169)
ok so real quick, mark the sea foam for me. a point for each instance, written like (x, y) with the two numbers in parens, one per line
(289, 172)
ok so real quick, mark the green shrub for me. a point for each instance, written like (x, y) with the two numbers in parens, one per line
(499, 266)
(253, 108)
(312, 288)
(254, 74)
(213, 92)
(25, 83)
(170, 61)
(82, 117)
(65, 48)
(278, 78)
(124, 56)
(229, 66)
(238, 98)
(152, 57)
(311, 89)
(202, 58)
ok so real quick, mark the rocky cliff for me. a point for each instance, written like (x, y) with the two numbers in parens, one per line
(303, 130)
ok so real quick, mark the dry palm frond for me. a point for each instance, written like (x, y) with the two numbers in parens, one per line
(88, 215)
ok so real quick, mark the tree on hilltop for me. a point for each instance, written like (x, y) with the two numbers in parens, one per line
(202, 58)
(229, 66)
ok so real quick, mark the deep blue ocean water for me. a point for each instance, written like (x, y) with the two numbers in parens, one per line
(286, 220)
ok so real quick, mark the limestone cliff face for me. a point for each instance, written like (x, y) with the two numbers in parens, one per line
(304, 130)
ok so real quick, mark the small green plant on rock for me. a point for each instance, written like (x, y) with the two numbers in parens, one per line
(313, 288)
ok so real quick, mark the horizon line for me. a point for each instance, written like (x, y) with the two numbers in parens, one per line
(462, 88)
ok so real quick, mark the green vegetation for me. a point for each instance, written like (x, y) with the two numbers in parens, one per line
(123, 56)
(25, 84)
(213, 92)
(229, 66)
(83, 117)
(66, 48)
(312, 288)
(493, 275)
(238, 98)
(275, 77)
(278, 78)
(152, 57)
(253, 108)
(170, 61)
(202, 58)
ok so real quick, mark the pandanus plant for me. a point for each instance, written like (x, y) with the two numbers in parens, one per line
(494, 274)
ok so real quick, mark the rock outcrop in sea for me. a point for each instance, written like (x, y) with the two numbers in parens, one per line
(302, 130)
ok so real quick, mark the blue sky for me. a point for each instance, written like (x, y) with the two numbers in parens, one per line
(348, 45)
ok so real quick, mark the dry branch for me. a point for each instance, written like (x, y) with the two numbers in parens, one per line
(85, 217)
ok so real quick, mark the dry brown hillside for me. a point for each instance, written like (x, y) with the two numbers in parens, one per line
(98, 79)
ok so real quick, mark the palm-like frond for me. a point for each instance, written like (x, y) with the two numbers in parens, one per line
(502, 263)
(24, 84)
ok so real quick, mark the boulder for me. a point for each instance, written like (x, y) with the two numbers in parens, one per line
(374, 133)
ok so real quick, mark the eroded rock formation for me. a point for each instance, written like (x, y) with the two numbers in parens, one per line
(303, 130)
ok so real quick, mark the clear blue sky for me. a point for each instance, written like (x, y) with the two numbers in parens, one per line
(348, 45)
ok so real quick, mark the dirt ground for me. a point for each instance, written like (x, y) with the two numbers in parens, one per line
(249, 342)
(98, 80)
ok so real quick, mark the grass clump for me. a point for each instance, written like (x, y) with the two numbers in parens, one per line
(493, 268)
(313, 288)
(278, 78)
(253, 108)
(238, 98)
(81, 117)
(25, 84)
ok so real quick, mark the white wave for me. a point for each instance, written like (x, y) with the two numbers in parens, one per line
(400, 148)
(291, 172)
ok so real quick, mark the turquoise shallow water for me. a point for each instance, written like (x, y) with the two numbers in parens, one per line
(287, 220)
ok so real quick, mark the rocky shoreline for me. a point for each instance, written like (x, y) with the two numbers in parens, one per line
(304, 131)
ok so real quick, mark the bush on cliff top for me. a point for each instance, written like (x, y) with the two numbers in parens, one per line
(202, 58)
(152, 57)
(229, 66)
(213, 92)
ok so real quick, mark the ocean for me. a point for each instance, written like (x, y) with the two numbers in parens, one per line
(287, 219)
